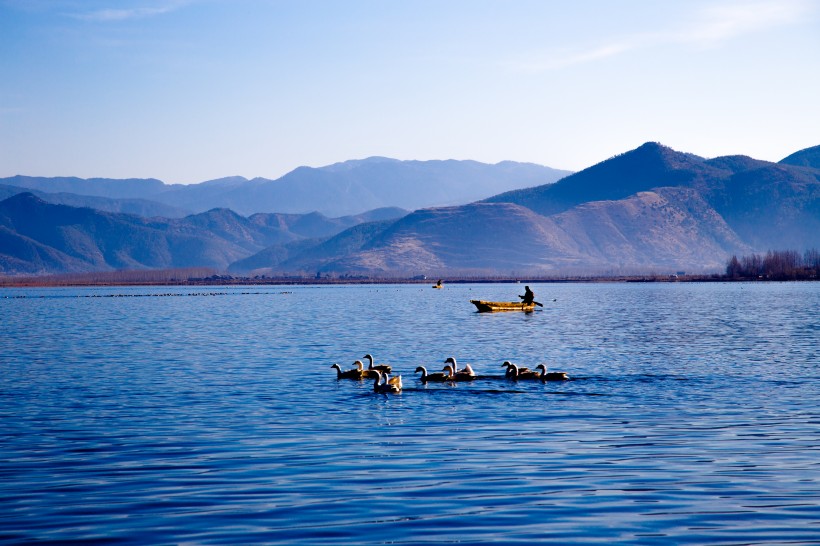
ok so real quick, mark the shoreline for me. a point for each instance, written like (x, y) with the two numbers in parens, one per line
(94, 280)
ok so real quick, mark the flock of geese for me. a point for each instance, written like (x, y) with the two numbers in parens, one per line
(383, 383)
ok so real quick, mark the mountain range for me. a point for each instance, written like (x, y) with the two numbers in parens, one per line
(341, 189)
(651, 209)
(37, 237)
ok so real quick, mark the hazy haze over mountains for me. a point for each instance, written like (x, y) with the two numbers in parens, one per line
(647, 210)
(341, 189)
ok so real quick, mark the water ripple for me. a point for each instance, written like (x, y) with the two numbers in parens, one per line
(690, 418)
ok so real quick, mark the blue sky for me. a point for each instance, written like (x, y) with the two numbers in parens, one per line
(192, 90)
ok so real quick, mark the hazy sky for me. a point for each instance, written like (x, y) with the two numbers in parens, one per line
(192, 90)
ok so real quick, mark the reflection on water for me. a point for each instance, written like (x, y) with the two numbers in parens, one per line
(691, 416)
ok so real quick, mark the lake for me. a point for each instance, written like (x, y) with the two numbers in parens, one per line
(211, 415)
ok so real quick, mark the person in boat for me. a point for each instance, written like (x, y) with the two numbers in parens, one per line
(528, 296)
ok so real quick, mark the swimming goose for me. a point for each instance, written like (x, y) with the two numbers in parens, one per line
(440, 376)
(380, 387)
(518, 374)
(366, 374)
(349, 374)
(468, 370)
(511, 373)
(552, 376)
(461, 375)
(384, 368)
(393, 380)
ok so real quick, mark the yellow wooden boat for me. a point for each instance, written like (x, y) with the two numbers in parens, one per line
(494, 306)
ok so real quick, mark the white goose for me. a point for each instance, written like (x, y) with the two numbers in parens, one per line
(385, 388)
(461, 375)
(467, 369)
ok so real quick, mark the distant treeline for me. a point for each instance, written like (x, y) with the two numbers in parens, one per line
(776, 265)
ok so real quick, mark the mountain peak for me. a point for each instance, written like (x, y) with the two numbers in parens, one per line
(26, 199)
(647, 166)
(663, 153)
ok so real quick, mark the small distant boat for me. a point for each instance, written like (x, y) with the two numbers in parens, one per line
(494, 306)
(438, 285)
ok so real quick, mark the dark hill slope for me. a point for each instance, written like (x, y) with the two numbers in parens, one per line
(59, 238)
(810, 157)
(25, 256)
(140, 207)
(772, 207)
(227, 225)
(99, 241)
(44, 238)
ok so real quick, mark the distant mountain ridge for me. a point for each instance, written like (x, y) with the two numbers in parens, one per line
(341, 189)
(37, 237)
(651, 209)
(140, 207)
(648, 208)
(129, 188)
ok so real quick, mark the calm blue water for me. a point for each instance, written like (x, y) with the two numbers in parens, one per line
(692, 416)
